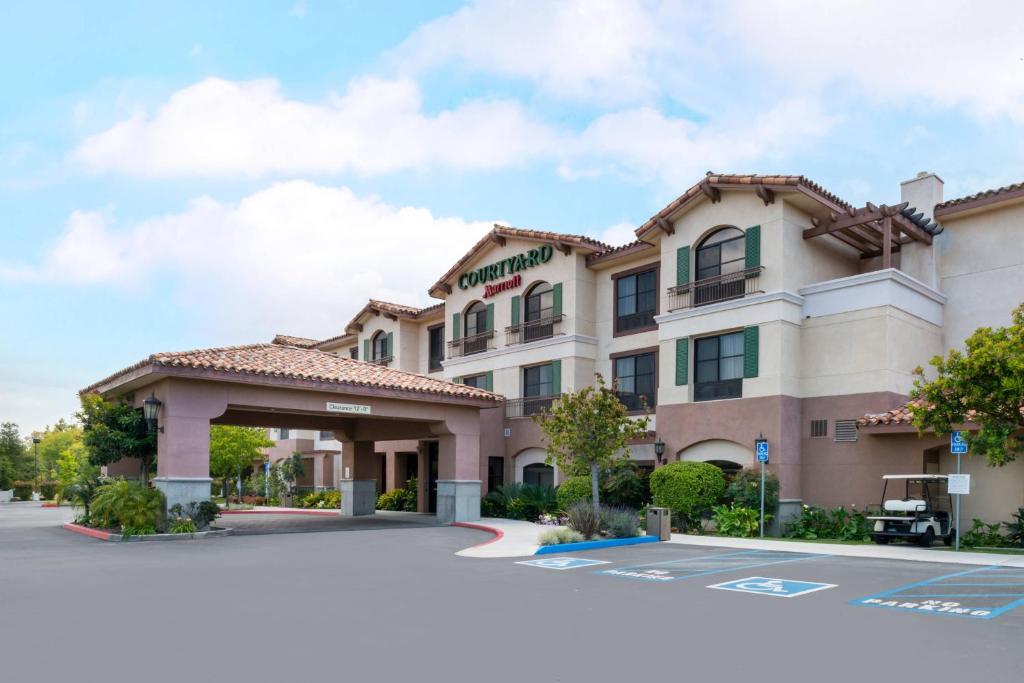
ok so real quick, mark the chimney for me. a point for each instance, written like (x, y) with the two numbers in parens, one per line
(923, 192)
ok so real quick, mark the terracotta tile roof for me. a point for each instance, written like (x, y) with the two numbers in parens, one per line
(500, 231)
(624, 250)
(901, 415)
(301, 342)
(290, 362)
(987, 196)
(752, 180)
(331, 340)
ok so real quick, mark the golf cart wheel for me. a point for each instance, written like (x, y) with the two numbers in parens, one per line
(927, 538)
(882, 540)
(950, 538)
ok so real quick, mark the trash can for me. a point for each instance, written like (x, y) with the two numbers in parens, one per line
(659, 523)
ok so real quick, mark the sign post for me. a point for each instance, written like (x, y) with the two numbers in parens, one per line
(761, 449)
(957, 446)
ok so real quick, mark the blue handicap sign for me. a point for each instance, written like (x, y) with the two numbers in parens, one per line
(562, 563)
(780, 588)
(958, 443)
(762, 450)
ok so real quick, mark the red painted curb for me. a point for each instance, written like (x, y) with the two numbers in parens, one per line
(86, 531)
(50, 505)
(332, 512)
(498, 533)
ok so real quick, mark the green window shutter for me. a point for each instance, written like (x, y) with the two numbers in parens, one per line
(556, 377)
(750, 351)
(366, 349)
(391, 345)
(457, 380)
(753, 247)
(683, 265)
(682, 361)
(456, 326)
(515, 309)
(489, 380)
(556, 299)
(490, 317)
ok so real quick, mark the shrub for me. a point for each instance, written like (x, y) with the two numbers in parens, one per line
(580, 517)
(127, 504)
(129, 531)
(737, 520)
(620, 522)
(688, 489)
(182, 525)
(524, 501)
(983, 534)
(624, 484)
(198, 514)
(48, 490)
(323, 500)
(839, 523)
(1015, 529)
(559, 536)
(745, 490)
(571, 490)
(489, 507)
(23, 490)
(401, 500)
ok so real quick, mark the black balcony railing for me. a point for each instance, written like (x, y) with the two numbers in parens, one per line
(467, 346)
(711, 290)
(533, 330)
(385, 360)
(528, 406)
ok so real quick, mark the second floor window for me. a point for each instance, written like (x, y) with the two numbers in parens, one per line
(353, 353)
(326, 436)
(540, 302)
(635, 381)
(636, 301)
(538, 381)
(436, 347)
(721, 255)
(477, 381)
(719, 367)
(379, 347)
(284, 433)
(476, 319)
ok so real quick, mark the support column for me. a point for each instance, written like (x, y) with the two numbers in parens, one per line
(183, 460)
(423, 467)
(318, 471)
(458, 482)
(358, 483)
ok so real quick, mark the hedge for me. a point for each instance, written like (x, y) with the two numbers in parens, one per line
(571, 490)
(688, 489)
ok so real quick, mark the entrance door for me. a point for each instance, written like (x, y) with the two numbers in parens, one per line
(432, 458)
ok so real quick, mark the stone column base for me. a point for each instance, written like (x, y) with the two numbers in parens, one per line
(458, 500)
(358, 496)
(183, 490)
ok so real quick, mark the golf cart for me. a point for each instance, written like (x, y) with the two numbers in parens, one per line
(920, 516)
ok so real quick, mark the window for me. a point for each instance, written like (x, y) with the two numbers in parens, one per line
(284, 433)
(721, 254)
(436, 347)
(845, 431)
(478, 381)
(635, 380)
(379, 347)
(538, 387)
(326, 435)
(476, 319)
(819, 428)
(495, 472)
(539, 474)
(636, 301)
(719, 367)
(540, 306)
(353, 353)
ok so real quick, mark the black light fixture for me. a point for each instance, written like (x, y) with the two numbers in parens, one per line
(151, 411)
(659, 450)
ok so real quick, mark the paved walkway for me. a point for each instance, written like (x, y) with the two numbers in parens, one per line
(518, 539)
(885, 552)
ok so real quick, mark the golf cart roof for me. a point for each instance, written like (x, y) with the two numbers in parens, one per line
(916, 477)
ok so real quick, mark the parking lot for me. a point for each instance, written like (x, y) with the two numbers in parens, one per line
(389, 604)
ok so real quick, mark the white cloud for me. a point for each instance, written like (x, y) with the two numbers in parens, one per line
(298, 10)
(296, 257)
(225, 128)
(196, 50)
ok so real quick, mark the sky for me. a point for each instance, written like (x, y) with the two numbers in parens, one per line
(187, 175)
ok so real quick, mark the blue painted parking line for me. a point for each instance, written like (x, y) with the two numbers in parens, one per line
(949, 595)
(705, 565)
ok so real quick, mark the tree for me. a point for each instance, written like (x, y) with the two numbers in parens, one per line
(290, 471)
(589, 430)
(115, 430)
(53, 442)
(235, 449)
(983, 384)
(15, 461)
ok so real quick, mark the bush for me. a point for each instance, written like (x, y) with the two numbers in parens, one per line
(571, 490)
(983, 534)
(182, 525)
(401, 500)
(580, 517)
(524, 501)
(620, 522)
(688, 489)
(323, 500)
(745, 490)
(624, 484)
(127, 504)
(198, 514)
(840, 523)
(559, 536)
(738, 521)
(1015, 529)
(48, 490)
(489, 507)
(128, 531)
(23, 490)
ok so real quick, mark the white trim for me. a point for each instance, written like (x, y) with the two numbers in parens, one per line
(733, 304)
(504, 351)
(876, 276)
(889, 287)
(759, 309)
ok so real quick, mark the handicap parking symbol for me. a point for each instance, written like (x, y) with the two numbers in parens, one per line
(562, 562)
(780, 588)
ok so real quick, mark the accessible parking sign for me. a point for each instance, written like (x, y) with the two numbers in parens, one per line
(779, 588)
(562, 563)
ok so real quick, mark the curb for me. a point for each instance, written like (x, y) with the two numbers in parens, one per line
(118, 538)
(332, 512)
(498, 533)
(592, 545)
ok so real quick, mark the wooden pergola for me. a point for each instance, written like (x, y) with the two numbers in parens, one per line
(876, 230)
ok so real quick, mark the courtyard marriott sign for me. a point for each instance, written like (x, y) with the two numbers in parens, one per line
(505, 267)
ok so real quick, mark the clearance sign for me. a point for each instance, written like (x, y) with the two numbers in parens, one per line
(504, 268)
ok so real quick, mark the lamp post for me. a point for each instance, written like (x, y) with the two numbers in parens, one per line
(659, 451)
(35, 456)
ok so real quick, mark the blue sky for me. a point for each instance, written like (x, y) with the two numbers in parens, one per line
(205, 174)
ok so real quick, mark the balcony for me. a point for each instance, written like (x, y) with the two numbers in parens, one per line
(528, 406)
(711, 290)
(385, 361)
(533, 330)
(467, 346)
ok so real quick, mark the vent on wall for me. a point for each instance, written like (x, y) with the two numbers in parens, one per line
(845, 430)
(819, 428)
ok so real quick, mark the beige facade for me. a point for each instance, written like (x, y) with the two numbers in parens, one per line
(772, 313)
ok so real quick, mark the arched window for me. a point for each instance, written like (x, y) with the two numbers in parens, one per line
(379, 346)
(539, 474)
(476, 319)
(540, 308)
(720, 257)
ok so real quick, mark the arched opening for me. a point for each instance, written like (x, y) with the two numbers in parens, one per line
(539, 474)
(475, 316)
(531, 468)
(540, 308)
(720, 262)
(729, 456)
(379, 347)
